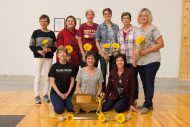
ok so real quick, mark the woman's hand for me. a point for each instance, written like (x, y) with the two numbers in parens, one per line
(63, 96)
(133, 109)
(143, 52)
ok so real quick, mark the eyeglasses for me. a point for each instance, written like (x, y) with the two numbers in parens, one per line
(143, 16)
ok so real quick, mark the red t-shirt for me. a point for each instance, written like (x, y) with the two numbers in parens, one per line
(87, 33)
(66, 37)
(124, 35)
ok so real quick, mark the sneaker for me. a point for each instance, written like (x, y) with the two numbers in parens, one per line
(145, 110)
(46, 98)
(37, 100)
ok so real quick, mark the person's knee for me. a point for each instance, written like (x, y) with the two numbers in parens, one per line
(70, 109)
(59, 110)
(105, 108)
(118, 110)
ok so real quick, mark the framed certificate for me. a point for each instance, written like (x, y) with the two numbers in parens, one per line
(59, 24)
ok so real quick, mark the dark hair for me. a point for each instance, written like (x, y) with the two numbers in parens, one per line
(119, 55)
(91, 53)
(44, 16)
(70, 16)
(107, 9)
(126, 14)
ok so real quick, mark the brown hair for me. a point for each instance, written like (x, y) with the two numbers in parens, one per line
(44, 16)
(91, 53)
(70, 16)
(123, 56)
(126, 14)
(107, 9)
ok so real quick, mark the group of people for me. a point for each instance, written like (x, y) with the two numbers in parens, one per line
(121, 89)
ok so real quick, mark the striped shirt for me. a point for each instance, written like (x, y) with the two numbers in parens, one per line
(127, 42)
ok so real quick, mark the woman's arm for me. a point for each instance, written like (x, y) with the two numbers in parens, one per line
(70, 87)
(78, 87)
(52, 82)
(99, 89)
(159, 44)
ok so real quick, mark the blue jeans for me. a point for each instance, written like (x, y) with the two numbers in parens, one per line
(120, 105)
(104, 69)
(148, 74)
(59, 105)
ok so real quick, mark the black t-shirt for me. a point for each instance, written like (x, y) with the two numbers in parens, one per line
(62, 74)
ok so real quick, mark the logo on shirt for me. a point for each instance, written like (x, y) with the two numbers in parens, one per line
(63, 70)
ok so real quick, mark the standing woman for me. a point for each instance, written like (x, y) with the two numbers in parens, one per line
(126, 38)
(106, 33)
(43, 56)
(149, 62)
(68, 37)
(86, 34)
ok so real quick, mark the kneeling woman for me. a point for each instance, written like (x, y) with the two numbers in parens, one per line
(62, 80)
(120, 88)
(89, 79)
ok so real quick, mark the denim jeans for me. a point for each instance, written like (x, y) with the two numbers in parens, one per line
(59, 105)
(120, 105)
(148, 74)
(104, 69)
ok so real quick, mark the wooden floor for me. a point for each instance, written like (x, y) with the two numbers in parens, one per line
(170, 110)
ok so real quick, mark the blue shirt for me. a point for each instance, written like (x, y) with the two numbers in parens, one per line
(102, 33)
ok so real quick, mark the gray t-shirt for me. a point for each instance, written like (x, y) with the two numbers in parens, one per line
(89, 83)
(151, 35)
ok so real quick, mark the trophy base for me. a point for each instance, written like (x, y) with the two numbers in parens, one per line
(86, 116)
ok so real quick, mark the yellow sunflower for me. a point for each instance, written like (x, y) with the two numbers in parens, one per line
(140, 40)
(115, 45)
(120, 118)
(106, 46)
(45, 42)
(102, 117)
(69, 49)
(87, 47)
(70, 117)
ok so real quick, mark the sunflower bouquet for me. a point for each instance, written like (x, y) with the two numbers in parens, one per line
(87, 47)
(45, 44)
(115, 48)
(139, 44)
(69, 50)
